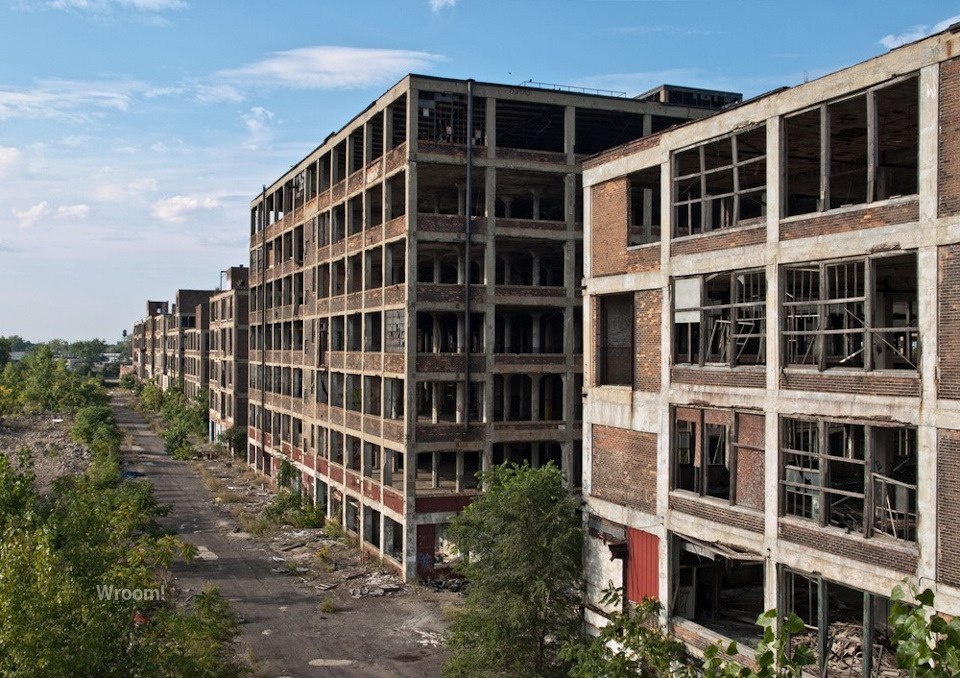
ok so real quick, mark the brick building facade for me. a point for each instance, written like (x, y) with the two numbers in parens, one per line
(375, 370)
(772, 406)
(228, 340)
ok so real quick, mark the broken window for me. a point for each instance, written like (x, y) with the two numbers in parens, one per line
(853, 151)
(720, 184)
(857, 477)
(531, 126)
(846, 628)
(644, 223)
(720, 318)
(719, 587)
(856, 313)
(615, 340)
(442, 116)
(719, 453)
(597, 130)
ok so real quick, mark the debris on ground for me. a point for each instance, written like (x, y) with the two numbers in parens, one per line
(54, 453)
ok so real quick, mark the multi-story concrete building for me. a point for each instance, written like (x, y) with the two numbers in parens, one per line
(228, 353)
(196, 351)
(375, 369)
(773, 358)
(145, 338)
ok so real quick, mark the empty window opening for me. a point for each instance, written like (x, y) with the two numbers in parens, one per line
(393, 468)
(551, 397)
(393, 395)
(355, 215)
(373, 331)
(374, 137)
(441, 189)
(718, 587)
(393, 538)
(720, 318)
(339, 160)
(396, 264)
(374, 206)
(615, 361)
(530, 126)
(530, 195)
(513, 331)
(355, 144)
(720, 184)
(644, 223)
(354, 332)
(871, 142)
(371, 396)
(857, 313)
(398, 119)
(597, 131)
(859, 478)
(395, 195)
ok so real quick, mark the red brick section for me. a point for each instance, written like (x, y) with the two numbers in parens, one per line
(948, 509)
(949, 152)
(729, 378)
(647, 308)
(871, 551)
(716, 513)
(645, 258)
(609, 211)
(949, 321)
(853, 220)
(866, 383)
(625, 467)
(720, 240)
(751, 430)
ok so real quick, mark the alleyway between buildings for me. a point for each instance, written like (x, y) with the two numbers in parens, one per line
(284, 628)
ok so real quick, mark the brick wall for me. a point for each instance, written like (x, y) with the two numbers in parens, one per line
(720, 240)
(609, 211)
(643, 258)
(751, 434)
(647, 307)
(852, 220)
(949, 321)
(867, 383)
(730, 378)
(625, 467)
(714, 512)
(948, 510)
(854, 547)
(948, 166)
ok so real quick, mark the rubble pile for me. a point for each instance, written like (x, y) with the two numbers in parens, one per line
(53, 452)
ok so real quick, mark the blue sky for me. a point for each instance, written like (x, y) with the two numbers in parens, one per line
(133, 133)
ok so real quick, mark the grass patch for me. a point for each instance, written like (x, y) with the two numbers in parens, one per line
(328, 606)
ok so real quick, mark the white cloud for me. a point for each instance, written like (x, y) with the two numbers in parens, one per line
(175, 210)
(146, 184)
(9, 157)
(329, 67)
(67, 99)
(209, 94)
(917, 32)
(106, 6)
(7, 246)
(437, 5)
(73, 211)
(29, 217)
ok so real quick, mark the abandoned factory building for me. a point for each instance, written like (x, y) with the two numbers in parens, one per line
(391, 355)
(772, 359)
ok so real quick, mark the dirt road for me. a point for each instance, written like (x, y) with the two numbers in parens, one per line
(285, 630)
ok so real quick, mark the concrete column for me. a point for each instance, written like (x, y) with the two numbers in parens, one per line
(535, 455)
(434, 469)
(535, 196)
(461, 199)
(569, 133)
(459, 471)
(535, 333)
(507, 378)
(507, 334)
(461, 414)
(387, 128)
(491, 128)
(507, 201)
(535, 269)
(435, 404)
(437, 342)
(566, 459)
(534, 397)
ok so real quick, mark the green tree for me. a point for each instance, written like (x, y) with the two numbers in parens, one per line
(5, 348)
(928, 645)
(521, 545)
(633, 644)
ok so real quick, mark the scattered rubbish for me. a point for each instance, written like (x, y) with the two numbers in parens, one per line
(290, 547)
(57, 420)
(454, 585)
(324, 587)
